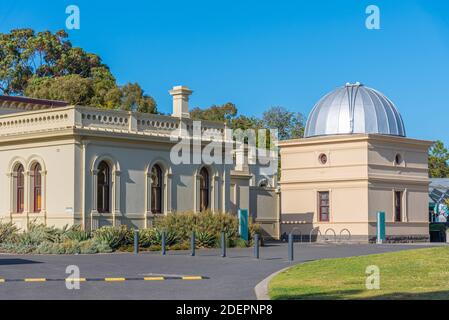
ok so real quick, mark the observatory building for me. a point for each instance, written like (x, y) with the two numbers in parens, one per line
(354, 161)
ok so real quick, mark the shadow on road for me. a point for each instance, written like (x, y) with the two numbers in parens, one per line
(8, 262)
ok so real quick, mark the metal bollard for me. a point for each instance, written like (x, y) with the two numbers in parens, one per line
(163, 244)
(192, 244)
(136, 241)
(223, 244)
(256, 246)
(290, 247)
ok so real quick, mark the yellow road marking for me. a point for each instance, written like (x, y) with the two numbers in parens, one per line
(35, 279)
(75, 280)
(153, 278)
(192, 278)
(114, 279)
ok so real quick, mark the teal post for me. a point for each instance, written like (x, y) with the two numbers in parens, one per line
(380, 227)
(243, 224)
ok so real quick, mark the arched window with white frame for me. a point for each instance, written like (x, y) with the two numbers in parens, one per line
(19, 188)
(157, 184)
(204, 189)
(36, 188)
(104, 188)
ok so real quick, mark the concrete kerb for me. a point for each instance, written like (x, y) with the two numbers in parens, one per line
(261, 289)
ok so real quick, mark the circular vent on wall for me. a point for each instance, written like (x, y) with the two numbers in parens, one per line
(322, 158)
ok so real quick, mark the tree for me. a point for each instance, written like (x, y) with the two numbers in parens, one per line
(24, 54)
(290, 125)
(106, 92)
(223, 113)
(438, 161)
(73, 89)
(134, 99)
(46, 65)
(243, 122)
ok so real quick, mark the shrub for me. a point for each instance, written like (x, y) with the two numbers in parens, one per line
(95, 246)
(254, 228)
(241, 243)
(76, 233)
(17, 248)
(180, 246)
(8, 232)
(113, 237)
(178, 229)
(72, 247)
(146, 237)
(212, 223)
(155, 247)
(36, 234)
(90, 246)
(205, 239)
(171, 237)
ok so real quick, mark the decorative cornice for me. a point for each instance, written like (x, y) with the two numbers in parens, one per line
(321, 140)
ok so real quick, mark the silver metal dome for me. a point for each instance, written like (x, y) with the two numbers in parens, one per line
(354, 108)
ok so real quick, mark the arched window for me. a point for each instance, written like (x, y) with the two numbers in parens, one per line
(19, 184)
(204, 189)
(103, 187)
(156, 189)
(36, 187)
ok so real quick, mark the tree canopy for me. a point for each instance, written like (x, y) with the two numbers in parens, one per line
(438, 161)
(290, 125)
(46, 65)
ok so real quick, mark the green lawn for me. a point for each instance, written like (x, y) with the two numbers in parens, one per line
(411, 274)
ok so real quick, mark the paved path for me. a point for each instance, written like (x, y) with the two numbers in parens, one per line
(233, 277)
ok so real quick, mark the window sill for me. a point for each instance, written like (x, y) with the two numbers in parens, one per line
(151, 215)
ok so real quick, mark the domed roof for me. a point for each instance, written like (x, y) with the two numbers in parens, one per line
(354, 108)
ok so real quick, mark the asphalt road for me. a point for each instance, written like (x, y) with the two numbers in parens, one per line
(233, 277)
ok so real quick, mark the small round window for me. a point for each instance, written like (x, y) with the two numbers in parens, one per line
(322, 158)
(398, 159)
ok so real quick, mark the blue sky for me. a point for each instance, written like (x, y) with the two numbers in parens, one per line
(263, 53)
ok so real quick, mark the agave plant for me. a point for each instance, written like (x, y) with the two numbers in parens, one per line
(8, 232)
(112, 236)
(38, 233)
(205, 239)
(170, 237)
(76, 233)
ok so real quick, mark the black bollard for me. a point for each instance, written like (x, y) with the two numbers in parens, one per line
(290, 247)
(256, 246)
(136, 241)
(223, 244)
(163, 244)
(192, 244)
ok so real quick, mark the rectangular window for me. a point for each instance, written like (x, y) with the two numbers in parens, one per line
(397, 206)
(323, 206)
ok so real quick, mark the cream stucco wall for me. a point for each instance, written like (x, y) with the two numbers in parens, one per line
(59, 181)
(70, 142)
(360, 176)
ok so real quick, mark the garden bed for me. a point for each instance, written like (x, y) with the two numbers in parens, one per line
(177, 228)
